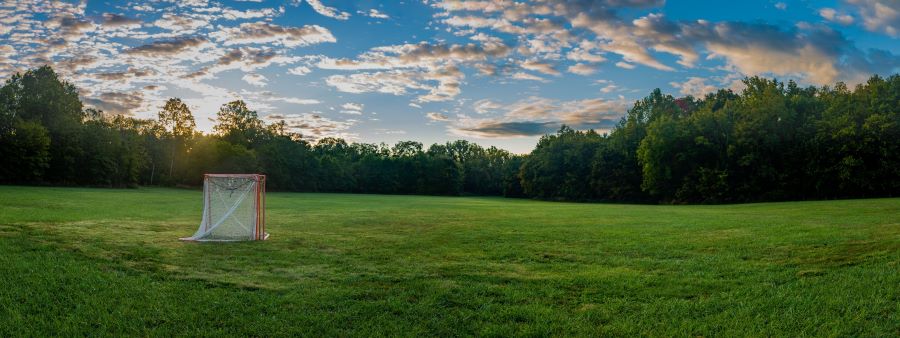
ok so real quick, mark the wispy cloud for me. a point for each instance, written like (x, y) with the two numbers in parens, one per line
(694, 86)
(264, 33)
(879, 16)
(330, 12)
(537, 116)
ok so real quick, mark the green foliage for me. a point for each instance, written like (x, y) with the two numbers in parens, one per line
(557, 168)
(772, 141)
(24, 150)
(177, 119)
(238, 124)
(177, 124)
(109, 156)
(39, 96)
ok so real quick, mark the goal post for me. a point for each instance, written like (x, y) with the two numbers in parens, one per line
(234, 208)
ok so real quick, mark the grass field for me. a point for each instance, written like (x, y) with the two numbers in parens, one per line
(108, 262)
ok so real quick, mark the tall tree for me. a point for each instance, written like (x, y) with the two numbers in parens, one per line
(178, 123)
(238, 124)
(40, 96)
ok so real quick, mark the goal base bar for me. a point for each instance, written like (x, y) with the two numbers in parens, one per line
(191, 239)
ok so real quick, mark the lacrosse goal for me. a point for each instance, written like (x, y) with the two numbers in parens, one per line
(234, 208)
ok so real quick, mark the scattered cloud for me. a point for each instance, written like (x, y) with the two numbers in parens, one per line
(352, 108)
(300, 70)
(116, 103)
(231, 14)
(540, 67)
(295, 100)
(537, 116)
(374, 13)
(582, 69)
(313, 126)
(330, 12)
(167, 48)
(183, 24)
(832, 15)
(581, 55)
(694, 86)
(255, 80)
(583, 31)
(485, 106)
(410, 67)
(395, 83)
(263, 33)
(526, 76)
(438, 117)
(115, 20)
(625, 65)
(878, 15)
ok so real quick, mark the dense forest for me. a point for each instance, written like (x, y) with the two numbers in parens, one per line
(772, 141)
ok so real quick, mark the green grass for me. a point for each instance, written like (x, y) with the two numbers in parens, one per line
(108, 262)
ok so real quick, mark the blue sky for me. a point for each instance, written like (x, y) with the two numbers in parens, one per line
(495, 72)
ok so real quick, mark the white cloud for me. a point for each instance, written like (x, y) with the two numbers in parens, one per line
(438, 117)
(298, 100)
(313, 126)
(578, 54)
(806, 56)
(581, 31)
(582, 69)
(609, 88)
(526, 76)
(694, 86)
(879, 16)
(374, 13)
(299, 70)
(832, 15)
(232, 14)
(330, 12)
(537, 116)
(422, 66)
(179, 50)
(420, 55)
(264, 33)
(255, 79)
(485, 106)
(182, 23)
(625, 65)
(541, 67)
(352, 108)
(117, 102)
(395, 83)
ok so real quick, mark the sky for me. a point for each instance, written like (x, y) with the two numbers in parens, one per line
(498, 73)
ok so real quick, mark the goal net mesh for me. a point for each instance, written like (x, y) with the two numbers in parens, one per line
(233, 208)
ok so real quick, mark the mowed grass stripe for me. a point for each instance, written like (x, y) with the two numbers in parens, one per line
(97, 261)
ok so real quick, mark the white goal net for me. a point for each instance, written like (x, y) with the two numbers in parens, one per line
(233, 208)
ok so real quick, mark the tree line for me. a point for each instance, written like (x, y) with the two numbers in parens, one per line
(772, 141)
